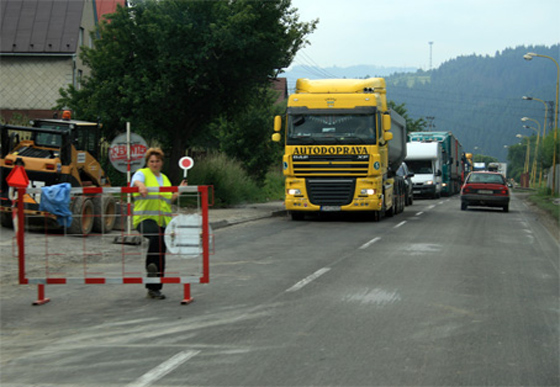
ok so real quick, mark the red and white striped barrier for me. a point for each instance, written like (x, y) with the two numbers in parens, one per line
(91, 244)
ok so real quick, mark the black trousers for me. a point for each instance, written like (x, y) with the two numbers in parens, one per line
(156, 247)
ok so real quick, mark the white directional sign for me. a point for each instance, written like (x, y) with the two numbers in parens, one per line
(183, 235)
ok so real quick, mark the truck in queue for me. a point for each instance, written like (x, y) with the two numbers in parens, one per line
(453, 159)
(343, 147)
(425, 160)
(54, 151)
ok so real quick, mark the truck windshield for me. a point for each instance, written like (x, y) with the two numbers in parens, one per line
(331, 129)
(420, 166)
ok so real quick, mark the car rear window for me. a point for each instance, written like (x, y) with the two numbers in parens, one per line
(486, 178)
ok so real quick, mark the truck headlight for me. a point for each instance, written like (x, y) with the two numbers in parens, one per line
(294, 191)
(367, 191)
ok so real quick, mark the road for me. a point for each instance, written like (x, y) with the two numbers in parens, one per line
(432, 297)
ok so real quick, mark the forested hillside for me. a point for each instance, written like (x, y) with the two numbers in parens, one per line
(479, 98)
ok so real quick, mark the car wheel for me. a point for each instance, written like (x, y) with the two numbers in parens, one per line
(506, 208)
(464, 206)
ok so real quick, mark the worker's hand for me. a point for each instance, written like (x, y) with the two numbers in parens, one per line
(142, 189)
(184, 183)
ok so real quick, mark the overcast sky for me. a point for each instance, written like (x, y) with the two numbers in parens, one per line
(397, 32)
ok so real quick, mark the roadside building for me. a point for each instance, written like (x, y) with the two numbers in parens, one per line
(40, 51)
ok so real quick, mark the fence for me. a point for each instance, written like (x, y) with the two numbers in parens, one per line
(48, 255)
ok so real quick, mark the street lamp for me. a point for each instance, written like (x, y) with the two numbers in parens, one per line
(534, 168)
(527, 153)
(545, 111)
(529, 56)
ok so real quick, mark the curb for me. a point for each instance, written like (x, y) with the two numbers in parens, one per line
(226, 223)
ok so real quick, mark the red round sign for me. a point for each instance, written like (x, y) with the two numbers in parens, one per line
(186, 162)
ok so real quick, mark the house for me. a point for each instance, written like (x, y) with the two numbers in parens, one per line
(280, 85)
(40, 51)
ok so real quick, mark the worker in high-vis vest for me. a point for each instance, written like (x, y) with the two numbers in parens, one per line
(152, 213)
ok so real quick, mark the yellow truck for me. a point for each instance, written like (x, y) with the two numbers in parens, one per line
(343, 147)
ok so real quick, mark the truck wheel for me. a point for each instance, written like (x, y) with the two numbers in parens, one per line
(104, 208)
(82, 216)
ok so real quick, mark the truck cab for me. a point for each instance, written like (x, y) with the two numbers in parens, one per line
(424, 159)
(343, 146)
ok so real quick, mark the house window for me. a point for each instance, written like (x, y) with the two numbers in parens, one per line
(79, 83)
(81, 36)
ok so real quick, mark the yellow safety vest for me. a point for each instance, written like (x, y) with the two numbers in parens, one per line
(156, 205)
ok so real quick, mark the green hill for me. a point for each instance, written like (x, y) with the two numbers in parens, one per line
(479, 98)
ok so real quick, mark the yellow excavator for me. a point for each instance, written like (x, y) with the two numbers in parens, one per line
(54, 151)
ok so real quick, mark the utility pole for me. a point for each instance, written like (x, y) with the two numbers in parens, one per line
(431, 125)
(431, 44)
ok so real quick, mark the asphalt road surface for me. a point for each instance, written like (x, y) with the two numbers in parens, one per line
(432, 297)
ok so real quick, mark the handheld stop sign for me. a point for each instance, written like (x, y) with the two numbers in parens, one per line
(186, 163)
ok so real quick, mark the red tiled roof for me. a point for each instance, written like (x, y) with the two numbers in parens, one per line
(104, 7)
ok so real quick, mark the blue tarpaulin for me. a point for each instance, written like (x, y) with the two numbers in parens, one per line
(56, 200)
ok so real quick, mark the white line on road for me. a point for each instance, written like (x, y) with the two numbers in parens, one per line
(308, 279)
(419, 213)
(400, 224)
(432, 206)
(163, 369)
(366, 245)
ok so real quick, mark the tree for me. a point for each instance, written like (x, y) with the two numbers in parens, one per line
(411, 125)
(170, 67)
(484, 159)
(245, 138)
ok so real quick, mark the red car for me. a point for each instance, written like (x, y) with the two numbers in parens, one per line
(485, 189)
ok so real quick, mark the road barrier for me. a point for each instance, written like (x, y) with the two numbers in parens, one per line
(55, 257)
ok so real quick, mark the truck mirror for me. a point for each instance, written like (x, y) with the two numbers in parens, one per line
(276, 137)
(388, 136)
(277, 123)
(386, 122)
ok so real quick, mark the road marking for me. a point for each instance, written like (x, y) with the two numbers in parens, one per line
(308, 279)
(366, 245)
(163, 369)
(400, 224)
(419, 213)
(432, 206)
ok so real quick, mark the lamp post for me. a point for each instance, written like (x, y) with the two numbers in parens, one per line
(545, 111)
(534, 168)
(527, 153)
(529, 56)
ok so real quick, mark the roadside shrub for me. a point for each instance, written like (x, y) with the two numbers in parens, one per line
(232, 185)
(273, 188)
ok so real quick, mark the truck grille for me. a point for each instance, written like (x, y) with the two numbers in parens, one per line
(331, 192)
(330, 165)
